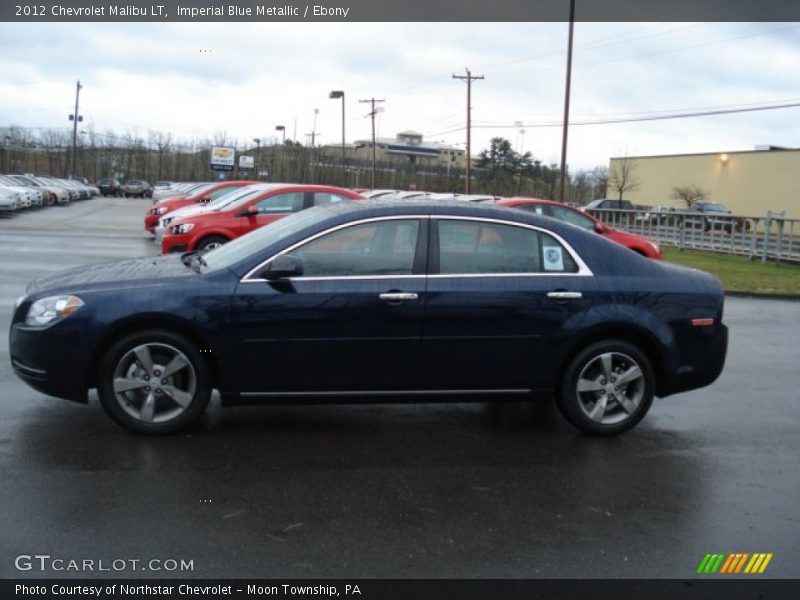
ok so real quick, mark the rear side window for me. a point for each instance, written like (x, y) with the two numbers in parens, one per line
(477, 247)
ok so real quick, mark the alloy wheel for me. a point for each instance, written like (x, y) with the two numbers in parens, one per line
(610, 388)
(154, 383)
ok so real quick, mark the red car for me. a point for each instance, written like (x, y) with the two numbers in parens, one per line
(207, 193)
(215, 227)
(563, 212)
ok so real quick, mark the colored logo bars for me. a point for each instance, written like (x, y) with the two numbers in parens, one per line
(730, 564)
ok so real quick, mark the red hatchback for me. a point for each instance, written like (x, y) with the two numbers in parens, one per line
(215, 227)
(207, 193)
(564, 212)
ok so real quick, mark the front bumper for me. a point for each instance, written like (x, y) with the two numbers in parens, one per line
(150, 222)
(52, 360)
(174, 243)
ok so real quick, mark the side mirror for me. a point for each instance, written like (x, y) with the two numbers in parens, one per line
(601, 227)
(250, 211)
(282, 266)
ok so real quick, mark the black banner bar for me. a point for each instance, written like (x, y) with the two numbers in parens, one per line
(332, 11)
(733, 588)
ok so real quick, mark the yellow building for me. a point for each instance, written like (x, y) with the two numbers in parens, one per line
(748, 183)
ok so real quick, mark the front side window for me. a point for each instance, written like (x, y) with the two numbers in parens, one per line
(281, 203)
(477, 247)
(377, 248)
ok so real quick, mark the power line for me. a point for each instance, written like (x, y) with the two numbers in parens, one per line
(659, 117)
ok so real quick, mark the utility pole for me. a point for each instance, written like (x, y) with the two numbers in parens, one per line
(566, 102)
(469, 78)
(75, 118)
(373, 111)
(314, 128)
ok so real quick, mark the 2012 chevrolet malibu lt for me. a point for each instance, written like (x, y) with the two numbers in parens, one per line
(371, 301)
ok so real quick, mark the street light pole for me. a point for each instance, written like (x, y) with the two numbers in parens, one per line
(75, 118)
(340, 94)
(258, 155)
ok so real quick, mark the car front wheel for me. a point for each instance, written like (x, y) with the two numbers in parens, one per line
(154, 382)
(209, 243)
(607, 388)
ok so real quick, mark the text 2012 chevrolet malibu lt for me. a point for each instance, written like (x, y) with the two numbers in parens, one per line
(397, 301)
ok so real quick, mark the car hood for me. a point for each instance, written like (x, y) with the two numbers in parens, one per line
(190, 210)
(126, 272)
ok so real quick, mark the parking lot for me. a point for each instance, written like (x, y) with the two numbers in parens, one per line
(439, 490)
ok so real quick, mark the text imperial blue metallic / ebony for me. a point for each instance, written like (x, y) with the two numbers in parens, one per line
(377, 301)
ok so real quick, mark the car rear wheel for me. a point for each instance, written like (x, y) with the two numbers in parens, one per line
(154, 382)
(211, 242)
(607, 388)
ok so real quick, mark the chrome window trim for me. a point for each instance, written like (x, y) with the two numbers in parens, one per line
(247, 279)
(583, 269)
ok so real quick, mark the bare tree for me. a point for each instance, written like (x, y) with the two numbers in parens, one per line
(688, 193)
(622, 176)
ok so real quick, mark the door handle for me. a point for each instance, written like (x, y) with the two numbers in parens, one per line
(398, 296)
(564, 295)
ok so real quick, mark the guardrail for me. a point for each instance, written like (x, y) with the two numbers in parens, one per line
(771, 237)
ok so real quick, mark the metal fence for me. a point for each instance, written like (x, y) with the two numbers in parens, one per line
(773, 237)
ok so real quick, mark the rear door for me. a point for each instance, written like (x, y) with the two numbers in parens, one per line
(499, 295)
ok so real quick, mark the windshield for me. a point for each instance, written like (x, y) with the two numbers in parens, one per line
(240, 195)
(239, 249)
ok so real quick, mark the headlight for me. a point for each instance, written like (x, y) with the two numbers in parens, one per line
(159, 210)
(52, 308)
(182, 228)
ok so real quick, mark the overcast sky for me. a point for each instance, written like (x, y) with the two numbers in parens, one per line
(152, 76)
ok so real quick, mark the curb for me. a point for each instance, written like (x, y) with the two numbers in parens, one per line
(756, 296)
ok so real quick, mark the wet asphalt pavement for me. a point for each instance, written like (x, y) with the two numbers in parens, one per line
(441, 490)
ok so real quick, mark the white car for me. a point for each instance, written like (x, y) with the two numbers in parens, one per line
(33, 197)
(8, 201)
(51, 193)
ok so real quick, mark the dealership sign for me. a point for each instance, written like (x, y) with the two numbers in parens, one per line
(223, 158)
(246, 163)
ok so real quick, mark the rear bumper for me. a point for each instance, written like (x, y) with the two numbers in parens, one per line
(702, 360)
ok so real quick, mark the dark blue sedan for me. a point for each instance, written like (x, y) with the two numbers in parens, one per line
(377, 302)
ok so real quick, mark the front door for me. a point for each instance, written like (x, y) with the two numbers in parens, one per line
(351, 322)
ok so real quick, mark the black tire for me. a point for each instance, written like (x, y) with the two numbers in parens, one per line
(162, 346)
(574, 405)
(210, 242)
